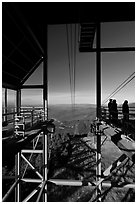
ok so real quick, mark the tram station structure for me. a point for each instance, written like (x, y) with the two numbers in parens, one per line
(24, 48)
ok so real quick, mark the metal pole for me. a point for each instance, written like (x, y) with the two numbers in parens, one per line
(33, 168)
(6, 106)
(33, 193)
(18, 101)
(17, 156)
(45, 107)
(98, 72)
(41, 191)
(98, 80)
(10, 190)
(32, 116)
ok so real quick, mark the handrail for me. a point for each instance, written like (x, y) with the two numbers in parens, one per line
(33, 114)
(24, 111)
(119, 107)
(120, 110)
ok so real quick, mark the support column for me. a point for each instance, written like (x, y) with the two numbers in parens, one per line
(6, 106)
(18, 101)
(17, 156)
(45, 106)
(98, 94)
(98, 71)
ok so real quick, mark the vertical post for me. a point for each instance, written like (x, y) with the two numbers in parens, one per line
(98, 72)
(6, 106)
(98, 80)
(45, 106)
(32, 116)
(18, 101)
(17, 156)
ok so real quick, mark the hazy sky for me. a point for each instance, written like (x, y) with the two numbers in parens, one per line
(116, 67)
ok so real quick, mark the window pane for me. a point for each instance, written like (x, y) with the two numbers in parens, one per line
(116, 68)
(118, 34)
(31, 97)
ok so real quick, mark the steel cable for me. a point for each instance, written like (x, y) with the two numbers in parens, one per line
(122, 85)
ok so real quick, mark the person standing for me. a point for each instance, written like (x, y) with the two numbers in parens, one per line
(110, 108)
(114, 111)
(125, 111)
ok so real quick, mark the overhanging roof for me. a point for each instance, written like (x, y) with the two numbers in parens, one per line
(22, 30)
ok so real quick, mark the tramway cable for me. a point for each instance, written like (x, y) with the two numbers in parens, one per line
(72, 63)
(71, 39)
(75, 45)
(122, 85)
(70, 79)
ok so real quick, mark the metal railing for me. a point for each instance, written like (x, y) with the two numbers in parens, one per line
(105, 112)
(31, 114)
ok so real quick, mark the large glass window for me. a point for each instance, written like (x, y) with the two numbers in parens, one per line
(58, 68)
(116, 68)
(32, 97)
(118, 34)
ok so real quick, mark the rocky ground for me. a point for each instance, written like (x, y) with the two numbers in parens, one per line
(81, 164)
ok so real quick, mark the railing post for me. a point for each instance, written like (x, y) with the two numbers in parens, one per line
(32, 117)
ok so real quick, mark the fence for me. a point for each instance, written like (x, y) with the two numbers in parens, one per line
(31, 115)
(105, 113)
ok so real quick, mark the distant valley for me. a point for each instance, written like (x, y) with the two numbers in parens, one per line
(67, 113)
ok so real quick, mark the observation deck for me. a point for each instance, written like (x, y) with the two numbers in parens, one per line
(39, 152)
